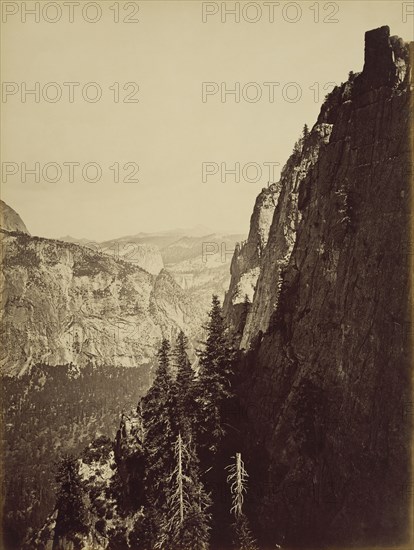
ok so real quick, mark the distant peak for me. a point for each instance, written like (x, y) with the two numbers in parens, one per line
(10, 219)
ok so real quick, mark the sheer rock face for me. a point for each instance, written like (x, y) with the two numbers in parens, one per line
(282, 233)
(245, 265)
(326, 387)
(258, 263)
(64, 303)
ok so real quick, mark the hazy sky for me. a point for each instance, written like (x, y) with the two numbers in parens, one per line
(170, 132)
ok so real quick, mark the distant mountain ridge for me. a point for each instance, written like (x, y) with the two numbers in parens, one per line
(200, 264)
(174, 246)
(65, 303)
(76, 301)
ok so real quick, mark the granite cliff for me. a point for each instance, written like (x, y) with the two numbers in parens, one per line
(325, 385)
(247, 259)
(198, 261)
(64, 303)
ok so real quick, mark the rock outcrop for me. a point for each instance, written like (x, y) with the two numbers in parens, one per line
(246, 262)
(110, 476)
(326, 385)
(10, 220)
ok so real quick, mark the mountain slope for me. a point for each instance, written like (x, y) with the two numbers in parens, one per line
(64, 303)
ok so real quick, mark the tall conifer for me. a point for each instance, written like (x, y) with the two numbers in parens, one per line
(213, 385)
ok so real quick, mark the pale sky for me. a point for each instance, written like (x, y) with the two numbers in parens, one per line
(170, 132)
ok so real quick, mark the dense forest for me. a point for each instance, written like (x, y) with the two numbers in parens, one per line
(173, 476)
(46, 413)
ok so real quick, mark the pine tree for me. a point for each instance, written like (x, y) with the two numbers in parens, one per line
(213, 386)
(160, 426)
(184, 521)
(141, 432)
(305, 131)
(297, 148)
(237, 479)
(71, 516)
(185, 387)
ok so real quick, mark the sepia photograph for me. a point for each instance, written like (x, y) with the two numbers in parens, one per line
(206, 275)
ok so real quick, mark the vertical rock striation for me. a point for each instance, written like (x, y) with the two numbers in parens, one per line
(245, 265)
(282, 232)
(326, 386)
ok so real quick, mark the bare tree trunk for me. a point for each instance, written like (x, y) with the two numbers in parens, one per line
(180, 479)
